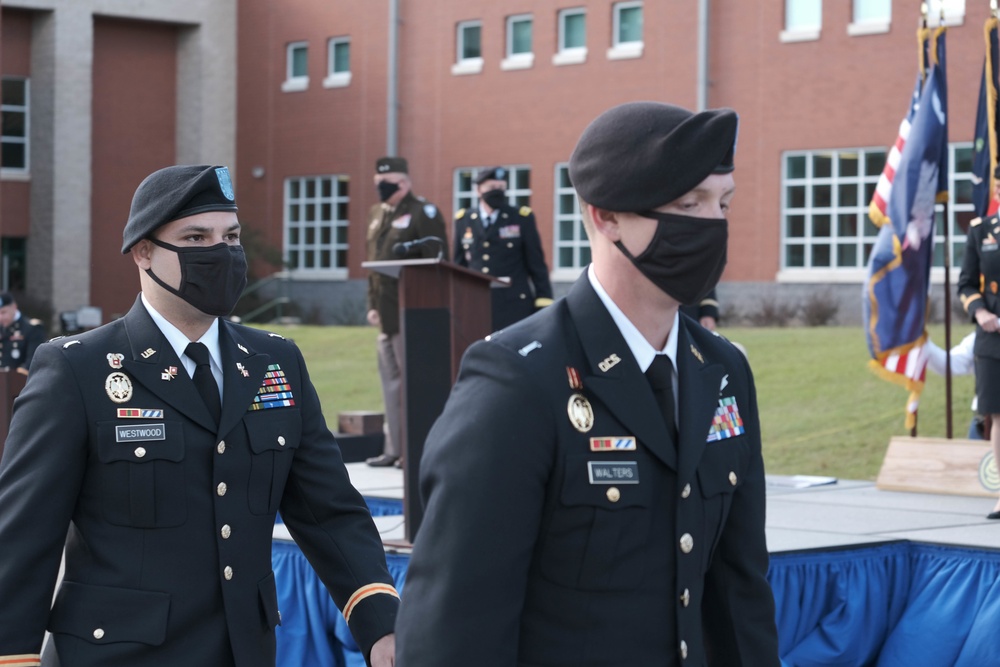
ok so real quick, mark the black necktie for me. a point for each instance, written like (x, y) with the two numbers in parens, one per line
(660, 375)
(204, 381)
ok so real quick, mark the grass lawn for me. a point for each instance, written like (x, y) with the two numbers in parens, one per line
(822, 411)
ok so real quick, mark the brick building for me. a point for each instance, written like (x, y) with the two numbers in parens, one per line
(296, 97)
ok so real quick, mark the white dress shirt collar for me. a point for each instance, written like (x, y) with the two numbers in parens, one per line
(179, 342)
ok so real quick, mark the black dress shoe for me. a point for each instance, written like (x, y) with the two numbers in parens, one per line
(399, 463)
(382, 461)
(993, 515)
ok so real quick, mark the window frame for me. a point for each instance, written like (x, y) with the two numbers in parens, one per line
(570, 55)
(579, 244)
(337, 78)
(463, 65)
(18, 173)
(300, 247)
(871, 26)
(623, 50)
(801, 33)
(295, 83)
(522, 59)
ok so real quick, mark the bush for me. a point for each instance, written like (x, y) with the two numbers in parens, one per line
(820, 309)
(772, 312)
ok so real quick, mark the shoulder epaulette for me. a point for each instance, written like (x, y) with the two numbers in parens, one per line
(35, 322)
(975, 222)
(459, 213)
(274, 335)
(525, 211)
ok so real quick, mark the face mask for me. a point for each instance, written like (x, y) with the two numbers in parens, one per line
(386, 190)
(494, 198)
(686, 256)
(212, 278)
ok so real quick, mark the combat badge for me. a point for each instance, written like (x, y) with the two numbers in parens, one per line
(119, 387)
(115, 359)
(581, 415)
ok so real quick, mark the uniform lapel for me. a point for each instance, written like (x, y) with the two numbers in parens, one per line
(243, 371)
(150, 361)
(699, 382)
(622, 387)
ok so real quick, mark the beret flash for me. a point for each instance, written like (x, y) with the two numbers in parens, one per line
(385, 165)
(491, 174)
(641, 155)
(173, 193)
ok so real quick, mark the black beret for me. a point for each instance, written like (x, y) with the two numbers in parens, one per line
(385, 165)
(491, 174)
(174, 193)
(6, 299)
(641, 155)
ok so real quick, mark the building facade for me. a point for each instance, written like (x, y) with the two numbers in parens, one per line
(302, 98)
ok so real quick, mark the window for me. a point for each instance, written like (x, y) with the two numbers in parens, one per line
(572, 37)
(13, 263)
(316, 210)
(626, 31)
(870, 17)
(14, 123)
(572, 249)
(825, 225)
(338, 63)
(296, 70)
(519, 54)
(954, 11)
(518, 186)
(468, 45)
(803, 20)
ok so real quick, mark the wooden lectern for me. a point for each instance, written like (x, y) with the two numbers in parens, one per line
(11, 384)
(443, 309)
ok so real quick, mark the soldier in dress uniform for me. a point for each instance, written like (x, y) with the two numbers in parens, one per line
(594, 488)
(164, 443)
(978, 289)
(19, 336)
(502, 241)
(402, 226)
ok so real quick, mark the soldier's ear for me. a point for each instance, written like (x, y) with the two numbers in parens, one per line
(605, 222)
(142, 254)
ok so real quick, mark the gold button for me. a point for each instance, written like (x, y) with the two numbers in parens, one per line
(687, 543)
(686, 597)
(614, 495)
(226, 531)
(140, 452)
(228, 573)
(99, 633)
(221, 489)
(684, 650)
(281, 440)
(486, 269)
(486, 258)
(221, 447)
(732, 478)
(686, 491)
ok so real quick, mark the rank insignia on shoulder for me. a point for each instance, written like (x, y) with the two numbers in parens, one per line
(115, 359)
(274, 335)
(620, 443)
(71, 343)
(459, 213)
(118, 387)
(581, 414)
(529, 348)
(148, 353)
(574, 378)
(727, 422)
(140, 413)
(697, 353)
(525, 211)
(609, 363)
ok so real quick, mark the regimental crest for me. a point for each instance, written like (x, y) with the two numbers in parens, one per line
(119, 387)
(581, 414)
(225, 183)
(115, 359)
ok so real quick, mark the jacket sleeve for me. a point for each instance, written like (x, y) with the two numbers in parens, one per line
(458, 255)
(534, 258)
(482, 479)
(44, 463)
(738, 611)
(332, 524)
(432, 225)
(969, 289)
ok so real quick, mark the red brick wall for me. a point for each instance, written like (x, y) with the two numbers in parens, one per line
(15, 59)
(134, 133)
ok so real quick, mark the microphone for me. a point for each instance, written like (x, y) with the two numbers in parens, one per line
(406, 248)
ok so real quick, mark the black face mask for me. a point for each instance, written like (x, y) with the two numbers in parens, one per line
(386, 190)
(686, 256)
(494, 198)
(212, 278)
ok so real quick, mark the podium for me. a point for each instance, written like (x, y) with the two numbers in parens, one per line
(11, 384)
(443, 309)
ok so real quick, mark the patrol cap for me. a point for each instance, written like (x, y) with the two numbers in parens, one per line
(637, 156)
(176, 192)
(6, 299)
(385, 165)
(491, 174)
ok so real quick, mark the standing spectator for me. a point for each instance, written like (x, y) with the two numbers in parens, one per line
(164, 443)
(19, 336)
(594, 488)
(502, 241)
(401, 218)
